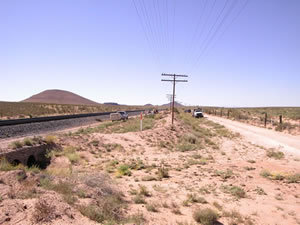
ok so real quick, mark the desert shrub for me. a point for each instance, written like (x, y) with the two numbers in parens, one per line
(94, 143)
(44, 211)
(16, 145)
(184, 147)
(151, 207)
(50, 139)
(144, 191)
(260, 191)
(224, 174)
(284, 126)
(234, 191)
(6, 166)
(112, 146)
(162, 172)
(28, 142)
(124, 170)
(137, 164)
(293, 178)
(205, 216)
(275, 154)
(139, 199)
(194, 198)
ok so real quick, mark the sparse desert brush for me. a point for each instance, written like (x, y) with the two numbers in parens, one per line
(272, 176)
(137, 164)
(217, 205)
(28, 141)
(260, 191)
(205, 216)
(94, 143)
(293, 178)
(44, 211)
(139, 199)
(194, 198)
(112, 146)
(144, 191)
(271, 153)
(234, 191)
(124, 170)
(16, 145)
(162, 172)
(152, 207)
(50, 139)
(224, 174)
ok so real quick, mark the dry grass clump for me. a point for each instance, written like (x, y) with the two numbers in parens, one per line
(152, 207)
(234, 191)
(162, 172)
(194, 198)
(271, 153)
(44, 211)
(16, 145)
(70, 152)
(289, 178)
(205, 216)
(50, 139)
(123, 170)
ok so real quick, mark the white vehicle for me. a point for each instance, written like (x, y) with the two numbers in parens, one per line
(124, 115)
(115, 116)
(121, 115)
(197, 113)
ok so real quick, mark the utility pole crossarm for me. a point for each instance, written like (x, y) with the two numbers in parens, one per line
(175, 80)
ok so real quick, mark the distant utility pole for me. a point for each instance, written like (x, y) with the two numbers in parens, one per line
(174, 80)
(170, 97)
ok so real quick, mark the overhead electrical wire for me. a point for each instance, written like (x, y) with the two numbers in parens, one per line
(158, 24)
(229, 24)
(211, 37)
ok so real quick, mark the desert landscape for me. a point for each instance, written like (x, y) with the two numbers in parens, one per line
(198, 171)
(149, 112)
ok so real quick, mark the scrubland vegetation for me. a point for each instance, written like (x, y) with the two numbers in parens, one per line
(18, 110)
(196, 172)
(256, 116)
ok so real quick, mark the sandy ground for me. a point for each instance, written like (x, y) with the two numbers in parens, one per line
(208, 173)
(261, 136)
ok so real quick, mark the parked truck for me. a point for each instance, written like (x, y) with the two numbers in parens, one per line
(197, 113)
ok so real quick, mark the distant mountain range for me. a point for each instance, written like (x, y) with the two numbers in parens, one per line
(59, 97)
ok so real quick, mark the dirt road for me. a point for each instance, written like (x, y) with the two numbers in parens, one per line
(261, 136)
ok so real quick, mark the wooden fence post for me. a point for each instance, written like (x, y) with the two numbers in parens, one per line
(280, 119)
(266, 116)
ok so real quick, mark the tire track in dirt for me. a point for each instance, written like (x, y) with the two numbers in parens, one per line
(261, 136)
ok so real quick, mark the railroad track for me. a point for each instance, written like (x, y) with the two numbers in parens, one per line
(54, 118)
(42, 125)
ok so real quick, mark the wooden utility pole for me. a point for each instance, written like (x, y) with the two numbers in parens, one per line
(174, 80)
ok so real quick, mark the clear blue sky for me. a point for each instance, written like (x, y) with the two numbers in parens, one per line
(98, 49)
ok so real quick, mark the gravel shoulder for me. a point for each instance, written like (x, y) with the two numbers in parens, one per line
(261, 136)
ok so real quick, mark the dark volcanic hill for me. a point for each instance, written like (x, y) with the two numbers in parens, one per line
(59, 97)
(176, 104)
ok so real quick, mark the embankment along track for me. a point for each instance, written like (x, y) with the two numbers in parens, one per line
(37, 128)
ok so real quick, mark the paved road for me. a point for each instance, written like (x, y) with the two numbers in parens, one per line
(261, 136)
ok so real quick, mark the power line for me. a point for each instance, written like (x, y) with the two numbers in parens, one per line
(231, 7)
(230, 23)
(146, 35)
